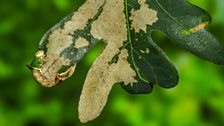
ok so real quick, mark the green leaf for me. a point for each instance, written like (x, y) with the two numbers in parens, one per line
(130, 57)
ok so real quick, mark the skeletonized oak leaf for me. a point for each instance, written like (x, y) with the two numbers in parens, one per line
(130, 57)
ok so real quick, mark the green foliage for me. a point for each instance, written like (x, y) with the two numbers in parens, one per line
(197, 100)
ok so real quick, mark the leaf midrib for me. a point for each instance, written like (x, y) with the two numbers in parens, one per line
(130, 42)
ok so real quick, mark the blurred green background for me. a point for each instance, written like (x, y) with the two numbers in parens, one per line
(198, 100)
